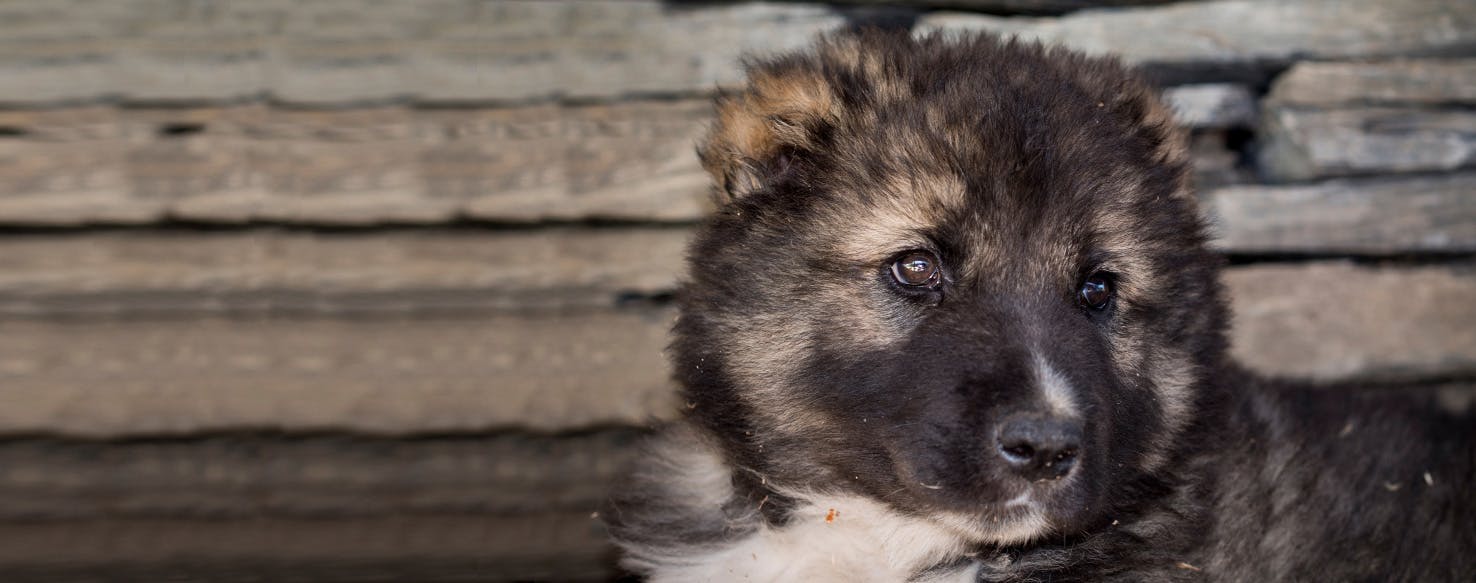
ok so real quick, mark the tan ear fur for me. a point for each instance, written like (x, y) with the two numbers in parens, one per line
(778, 110)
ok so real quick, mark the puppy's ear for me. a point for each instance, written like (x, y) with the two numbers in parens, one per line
(760, 129)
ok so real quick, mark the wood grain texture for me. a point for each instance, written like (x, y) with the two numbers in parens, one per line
(435, 548)
(1429, 82)
(358, 52)
(1244, 38)
(1302, 144)
(357, 166)
(473, 371)
(372, 375)
(1387, 215)
(1332, 321)
(244, 476)
(263, 271)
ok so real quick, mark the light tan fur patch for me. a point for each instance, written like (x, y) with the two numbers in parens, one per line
(774, 111)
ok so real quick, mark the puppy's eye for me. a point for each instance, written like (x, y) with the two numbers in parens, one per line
(1096, 291)
(917, 269)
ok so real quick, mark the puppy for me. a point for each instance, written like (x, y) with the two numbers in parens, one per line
(956, 320)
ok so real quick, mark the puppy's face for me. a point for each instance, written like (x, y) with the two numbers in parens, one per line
(963, 278)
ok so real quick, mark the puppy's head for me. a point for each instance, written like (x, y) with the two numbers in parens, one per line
(964, 277)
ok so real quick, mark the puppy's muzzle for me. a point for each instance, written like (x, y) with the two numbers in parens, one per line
(1039, 448)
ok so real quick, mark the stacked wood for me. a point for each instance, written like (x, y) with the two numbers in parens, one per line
(372, 291)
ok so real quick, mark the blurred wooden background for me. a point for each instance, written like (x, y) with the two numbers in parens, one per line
(361, 290)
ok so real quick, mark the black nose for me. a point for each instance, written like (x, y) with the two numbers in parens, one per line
(1039, 449)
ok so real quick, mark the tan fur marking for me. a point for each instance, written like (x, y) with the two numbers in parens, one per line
(775, 110)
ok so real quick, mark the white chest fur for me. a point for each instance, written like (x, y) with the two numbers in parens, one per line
(829, 539)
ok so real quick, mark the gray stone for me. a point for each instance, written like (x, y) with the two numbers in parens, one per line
(1381, 216)
(1337, 321)
(1212, 105)
(1197, 40)
(1300, 144)
(1423, 82)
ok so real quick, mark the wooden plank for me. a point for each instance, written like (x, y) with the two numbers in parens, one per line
(384, 376)
(359, 166)
(358, 52)
(1333, 321)
(1212, 105)
(1325, 119)
(1242, 39)
(243, 476)
(631, 161)
(1016, 6)
(454, 370)
(1427, 82)
(1301, 144)
(255, 272)
(433, 548)
(67, 166)
(1379, 216)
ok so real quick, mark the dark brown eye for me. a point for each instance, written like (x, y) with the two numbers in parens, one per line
(1095, 292)
(917, 269)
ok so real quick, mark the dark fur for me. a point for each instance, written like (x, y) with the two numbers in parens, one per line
(1025, 169)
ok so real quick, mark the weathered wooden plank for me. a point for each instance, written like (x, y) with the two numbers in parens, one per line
(392, 376)
(323, 476)
(1350, 119)
(1301, 144)
(1236, 38)
(1331, 321)
(1379, 215)
(363, 51)
(1015, 6)
(1212, 105)
(1426, 82)
(395, 271)
(557, 371)
(629, 161)
(460, 51)
(428, 547)
(60, 167)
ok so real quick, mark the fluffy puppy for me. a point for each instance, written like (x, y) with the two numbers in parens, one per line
(955, 319)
